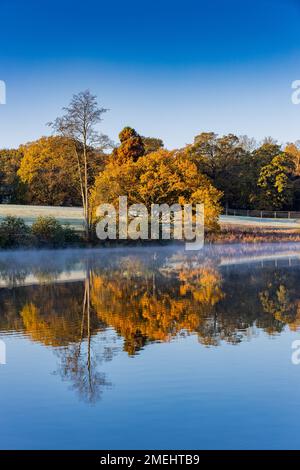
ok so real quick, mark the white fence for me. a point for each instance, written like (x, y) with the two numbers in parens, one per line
(263, 214)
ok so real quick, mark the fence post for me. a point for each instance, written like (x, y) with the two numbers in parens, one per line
(275, 215)
(289, 215)
(261, 214)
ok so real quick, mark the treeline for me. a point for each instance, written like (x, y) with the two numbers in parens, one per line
(45, 172)
(77, 166)
(263, 176)
(266, 177)
(250, 176)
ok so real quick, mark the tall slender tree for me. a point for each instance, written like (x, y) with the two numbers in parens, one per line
(79, 124)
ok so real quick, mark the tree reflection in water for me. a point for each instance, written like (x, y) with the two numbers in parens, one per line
(79, 362)
(89, 308)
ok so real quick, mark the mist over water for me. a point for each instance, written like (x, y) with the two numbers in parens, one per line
(150, 347)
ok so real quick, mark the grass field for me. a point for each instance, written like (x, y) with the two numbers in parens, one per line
(72, 216)
(233, 227)
(230, 220)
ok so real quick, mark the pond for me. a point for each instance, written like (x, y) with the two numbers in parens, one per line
(151, 348)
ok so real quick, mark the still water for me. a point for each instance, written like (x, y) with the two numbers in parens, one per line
(150, 348)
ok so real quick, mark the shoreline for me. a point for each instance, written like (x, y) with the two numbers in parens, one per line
(225, 236)
(250, 234)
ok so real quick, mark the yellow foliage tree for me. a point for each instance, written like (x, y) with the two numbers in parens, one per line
(48, 169)
(157, 178)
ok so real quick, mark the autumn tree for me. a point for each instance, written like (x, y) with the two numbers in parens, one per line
(249, 175)
(152, 144)
(293, 150)
(12, 189)
(131, 147)
(48, 169)
(78, 124)
(157, 178)
(226, 162)
(264, 154)
(275, 181)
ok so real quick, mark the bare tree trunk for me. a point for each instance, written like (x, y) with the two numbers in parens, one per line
(81, 183)
(82, 322)
(87, 215)
(89, 325)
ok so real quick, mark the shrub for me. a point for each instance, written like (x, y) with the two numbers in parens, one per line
(13, 232)
(71, 237)
(47, 231)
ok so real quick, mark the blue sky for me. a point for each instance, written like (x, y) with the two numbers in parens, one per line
(170, 69)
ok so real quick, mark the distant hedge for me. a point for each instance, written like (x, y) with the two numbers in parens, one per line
(45, 232)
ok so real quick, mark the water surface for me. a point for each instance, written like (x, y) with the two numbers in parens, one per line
(150, 348)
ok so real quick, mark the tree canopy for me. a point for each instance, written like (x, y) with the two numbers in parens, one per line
(157, 178)
(79, 166)
(11, 187)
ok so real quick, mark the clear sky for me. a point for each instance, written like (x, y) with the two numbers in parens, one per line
(170, 69)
